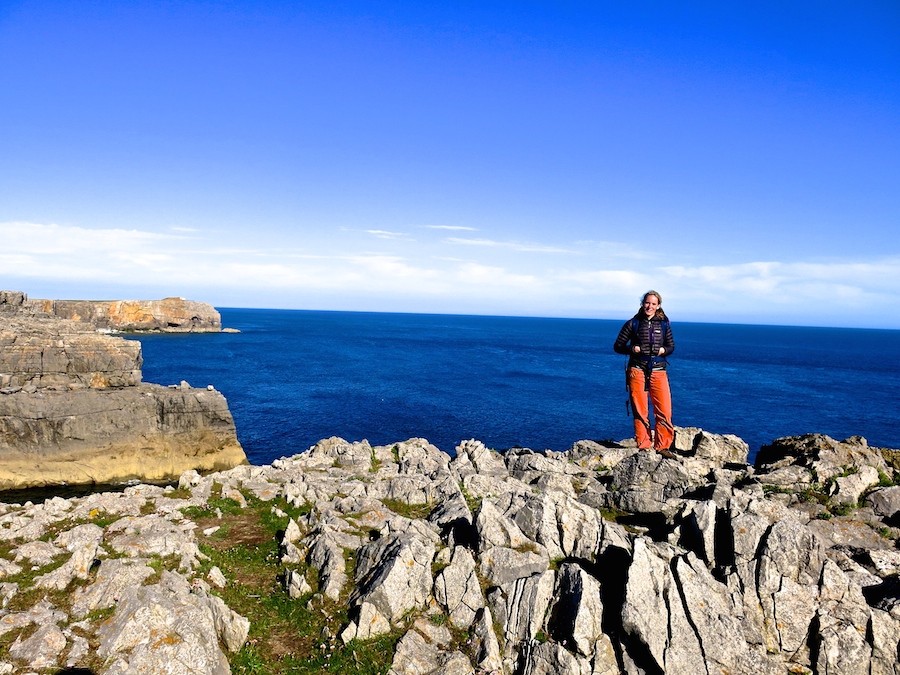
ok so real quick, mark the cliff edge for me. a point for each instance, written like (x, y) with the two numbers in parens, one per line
(73, 408)
(169, 315)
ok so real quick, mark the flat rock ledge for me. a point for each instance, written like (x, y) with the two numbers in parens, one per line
(599, 560)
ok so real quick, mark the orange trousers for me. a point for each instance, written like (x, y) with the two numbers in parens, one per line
(661, 398)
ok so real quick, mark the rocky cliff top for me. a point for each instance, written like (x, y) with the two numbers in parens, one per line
(170, 315)
(353, 558)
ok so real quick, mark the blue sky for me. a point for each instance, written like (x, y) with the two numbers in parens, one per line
(527, 158)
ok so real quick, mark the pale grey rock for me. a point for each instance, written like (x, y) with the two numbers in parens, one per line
(885, 644)
(885, 501)
(487, 647)
(394, 574)
(848, 489)
(851, 532)
(496, 529)
(161, 628)
(529, 466)
(595, 456)
(537, 518)
(43, 613)
(295, 584)
(138, 537)
(549, 658)
(653, 612)
(38, 553)
(78, 651)
(292, 532)
(483, 487)
(525, 608)
(42, 649)
(604, 658)
(712, 615)
(886, 562)
(416, 656)
(291, 554)
(791, 476)
(189, 479)
(555, 482)
(114, 577)
(824, 455)
(8, 569)
(419, 457)
(500, 565)
(326, 555)
(457, 588)
(110, 504)
(8, 589)
(453, 516)
(700, 520)
(370, 622)
(216, 577)
(231, 627)
(577, 615)
(788, 553)
(435, 634)
(648, 483)
(83, 541)
(472, 457)
(702, 451)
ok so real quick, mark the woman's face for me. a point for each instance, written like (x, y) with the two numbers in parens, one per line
(651, 304)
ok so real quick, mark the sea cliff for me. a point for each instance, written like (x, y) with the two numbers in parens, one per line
(402, 559)
(73, 408)
(170, 315)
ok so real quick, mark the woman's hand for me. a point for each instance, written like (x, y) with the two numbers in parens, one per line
(662, 350)
(636, 349)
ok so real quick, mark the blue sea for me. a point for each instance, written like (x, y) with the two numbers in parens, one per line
(294, 377)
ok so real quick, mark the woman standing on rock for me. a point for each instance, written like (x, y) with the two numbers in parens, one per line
(647, 340)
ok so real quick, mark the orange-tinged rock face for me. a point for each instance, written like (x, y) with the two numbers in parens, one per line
(129, 312)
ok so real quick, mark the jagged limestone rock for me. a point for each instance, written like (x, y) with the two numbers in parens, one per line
(457, 588)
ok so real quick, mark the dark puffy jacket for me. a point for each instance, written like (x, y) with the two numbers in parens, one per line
(650, 335)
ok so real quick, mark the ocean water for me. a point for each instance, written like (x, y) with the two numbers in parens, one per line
(294, 377)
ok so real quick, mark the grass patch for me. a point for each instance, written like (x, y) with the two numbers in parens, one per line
(225, 506)
(412, 511)
(287, 637)
(474, 503)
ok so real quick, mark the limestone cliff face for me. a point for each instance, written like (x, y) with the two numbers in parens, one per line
(53, 354)
(146, 432)
(73, 408)
(170, 315)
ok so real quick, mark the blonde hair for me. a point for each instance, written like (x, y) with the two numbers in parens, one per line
(659, 310)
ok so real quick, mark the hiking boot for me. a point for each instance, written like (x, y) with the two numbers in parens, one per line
(665, 452)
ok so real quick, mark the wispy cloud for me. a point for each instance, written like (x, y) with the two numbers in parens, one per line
(386, 234)
(835, 292)
(515, 246)
(451, 227)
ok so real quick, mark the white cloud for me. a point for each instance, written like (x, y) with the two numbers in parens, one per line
(812, 292)
(451, 227)
(515, 246)
(385, 234)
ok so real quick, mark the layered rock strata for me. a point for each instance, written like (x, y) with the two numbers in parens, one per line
(170, 315)
(73, 409)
